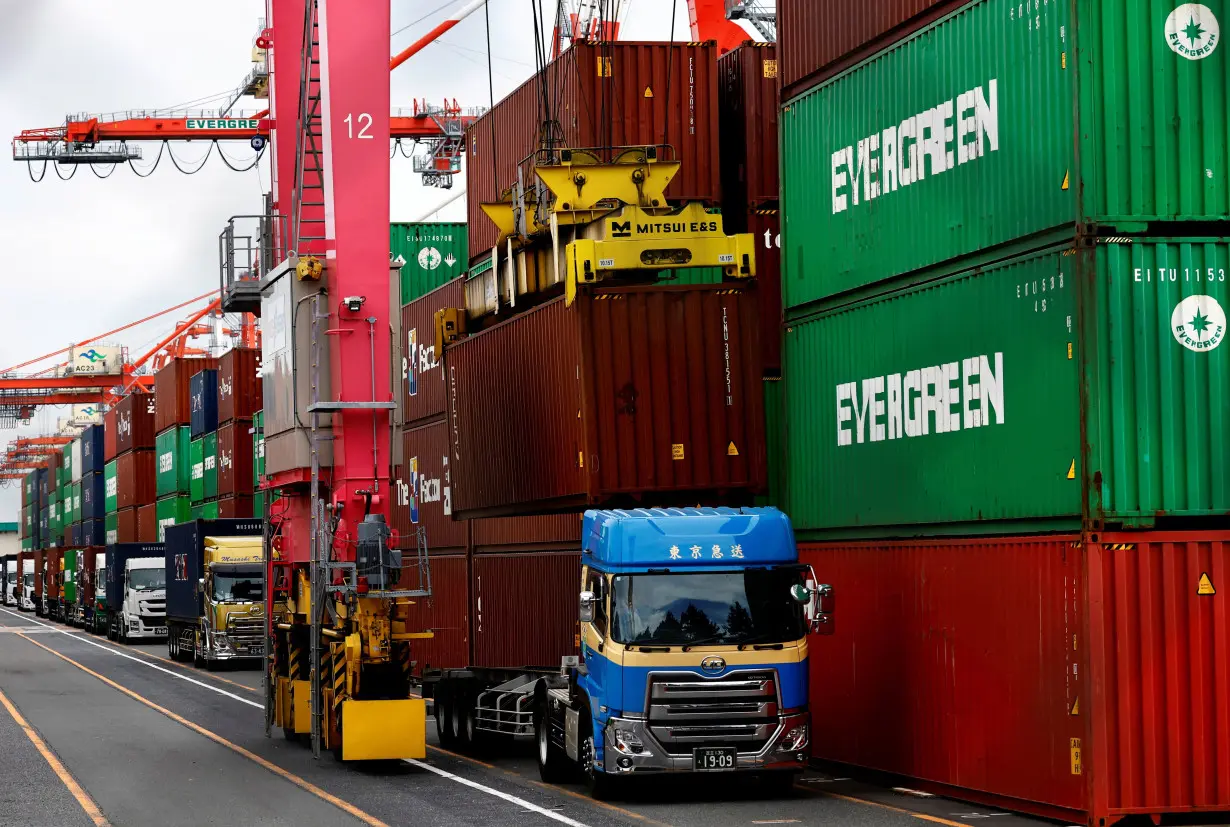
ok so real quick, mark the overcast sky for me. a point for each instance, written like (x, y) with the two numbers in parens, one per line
(88, 255)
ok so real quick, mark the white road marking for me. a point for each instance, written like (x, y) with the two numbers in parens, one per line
(915, 793)
(512, 799)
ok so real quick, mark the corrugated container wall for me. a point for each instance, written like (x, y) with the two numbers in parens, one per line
(135, 418)
(235, 459)
(965, 395)
(422, 386)
(557, 532)
(765, 226)
(236, 507)
(147, 523)
(434, 254)
(110, 435)
(1082, 681)
(612, 94)
(429, 485)
(203, 392)
(748, 112)
(171, 388)
(964, 136)
(92, 449)
(516, 592)
(239, 384)
(135, 479)
(819, 37)
(446, 613)
(631, 395)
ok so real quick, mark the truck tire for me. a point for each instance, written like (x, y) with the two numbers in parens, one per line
(553, 765)
(602, 786)
(462, 709)
(198, 659)
(444, 719)
(172, 644)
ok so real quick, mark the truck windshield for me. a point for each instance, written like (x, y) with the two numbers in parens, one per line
(236, 584)
(706, 609)
(147, 579)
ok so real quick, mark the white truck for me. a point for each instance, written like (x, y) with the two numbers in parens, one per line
(26, 603)
(136, 591)
(9, 597)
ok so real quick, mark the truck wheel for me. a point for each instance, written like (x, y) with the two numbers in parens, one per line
(172, 644)
(601, 786)
(198, 660)
(444, 720)
(462, 726)
(553, 767)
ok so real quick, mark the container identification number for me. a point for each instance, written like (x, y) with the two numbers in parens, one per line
(1166, 275)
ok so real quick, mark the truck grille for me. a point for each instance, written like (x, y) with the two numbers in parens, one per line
(153, 607)
(247, 634)
(687, 711)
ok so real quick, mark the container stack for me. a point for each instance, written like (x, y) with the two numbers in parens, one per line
(93, 486)
(433, 254)
(239, 398)
(203, 445)
(129, 480)
(1004, 385)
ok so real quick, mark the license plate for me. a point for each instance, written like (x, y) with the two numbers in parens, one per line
(161, 630)
(713, 759)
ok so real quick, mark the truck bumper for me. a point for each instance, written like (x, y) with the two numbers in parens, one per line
(139, 627)
(786, 751)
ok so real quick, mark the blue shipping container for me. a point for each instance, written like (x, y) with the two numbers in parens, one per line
(117, 556)
(92, 450)
(203, 391)
(93, 532)
(93, 492)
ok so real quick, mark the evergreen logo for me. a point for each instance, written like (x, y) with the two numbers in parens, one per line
(1199, 323)
(1192, 31)
(429, 258)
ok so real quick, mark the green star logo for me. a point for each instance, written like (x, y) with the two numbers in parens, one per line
(1194, 31)
(1199, 323)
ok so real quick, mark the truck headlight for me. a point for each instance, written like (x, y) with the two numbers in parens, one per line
(795, 738)
(221, 642)
(625, 738)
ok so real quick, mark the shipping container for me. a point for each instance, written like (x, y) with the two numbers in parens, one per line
(171, 388)
(608, 94)
(126, 525)
(235, 507)
(205, 511)
(39, 568)
(196, 458)
(135, 479)
(552, 532)
(111, 528)
(93, 532)
(1063, 384)
(258, 449)
(434, 254)
(765, 226)
(118, 556)
(185, 564)
(209, 457)
(72, 461)
(53, 576)
(89, 583)
(135, 419)
(632, 395)
(110, 433)
(172, 511)
(234, 466)
(425, 490)
(965, 138)
(92, 449)
(513, 593)
(174, 470)
(1078, 680)
(111, 491)
(203, 398)
(258, 506)
(147, 524)
(816, 40)
(747, 118)
(446, 614)
(422, 385)
(239, 384)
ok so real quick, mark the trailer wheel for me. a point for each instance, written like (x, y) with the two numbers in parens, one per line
(462, 711)
(553, 767)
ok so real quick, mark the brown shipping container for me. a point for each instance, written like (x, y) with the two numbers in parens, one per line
(86, 584)
(147, 524)
(422, 383)
(748, 107)
(171, 387)
(648, 395)
(134, 423)
(613, 94)
(109, 433)
(235, 458)
(446, 613)
(426, 479)
(1076, 679)
(135, 479)
(236, 508)
(54, 575)
(239, 384)
(554, 531)
(525, 609)
(126, 526)
(819, 39)
(766, 227)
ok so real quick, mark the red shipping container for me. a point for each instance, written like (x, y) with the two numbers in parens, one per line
(126, 527)
(819, 39)
(748, 111)
(422, 386)
(425, 479)
(239, 384)
(446, 613)
(171, 388)
(135, 484)
(147, 524)
(54, 574)
(134, 423)
(525, 609)
(609, 94)
(766, 227)
(1083, 681)
(86, 584)
(109, 433)
(236, 508)
(235, 458)
(648, 395)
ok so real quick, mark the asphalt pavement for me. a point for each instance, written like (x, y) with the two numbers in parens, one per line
(130, 738)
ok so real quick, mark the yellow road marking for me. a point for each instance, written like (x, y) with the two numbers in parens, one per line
(218, 739)
(459, 756)
(902, 810)
(83, 798)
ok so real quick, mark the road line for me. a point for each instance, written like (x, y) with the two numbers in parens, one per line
(512, 799)
(459, 756)
(903, 811)
(603, 804)
(83, 798)
(134, 659)
(302, 783)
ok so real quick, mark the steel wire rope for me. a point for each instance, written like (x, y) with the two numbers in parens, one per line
(670, 59)
(208, 151)
(495, 167)
(152, 168)
(436, 10)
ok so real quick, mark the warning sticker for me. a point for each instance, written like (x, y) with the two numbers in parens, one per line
(1205, 587)
(677, 451)
(1072, 470)
(648, 92)
(1076, 707)
(1075, 750)
(732, 450)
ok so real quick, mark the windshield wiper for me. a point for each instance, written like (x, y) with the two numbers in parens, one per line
(753, 640)
(705, 641)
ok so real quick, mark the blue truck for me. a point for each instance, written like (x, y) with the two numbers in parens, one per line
(693, 655)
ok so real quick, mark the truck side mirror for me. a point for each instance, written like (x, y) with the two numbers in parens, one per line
(587, 607)
(200, 585)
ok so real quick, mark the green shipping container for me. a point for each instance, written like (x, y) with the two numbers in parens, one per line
(434, 254)
(258, 449)
(111, 528)
(205, 511)
(209, 449)
(66, 464)
(940, 408)
(111, 500)
(54, 509)
(171, 511)
(68, 592)
(196, 456)
(27, 543)
(174, 473)
(77, 514)
(993, 125)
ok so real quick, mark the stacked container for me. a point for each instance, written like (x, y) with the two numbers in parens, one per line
(239, 399)
(93, 487)
(434, 254)
(1004, 393)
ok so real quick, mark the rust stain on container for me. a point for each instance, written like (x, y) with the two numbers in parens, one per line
(239, 384)
(633, 395)
(426, 479)
(446, 613)
(524, 610)
(235, 458)
(171, 391)
(422, 382)
(147, 524)
(1083, 680)
(135, 480)
(612, 94)
(135, 428)
(748, 108)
